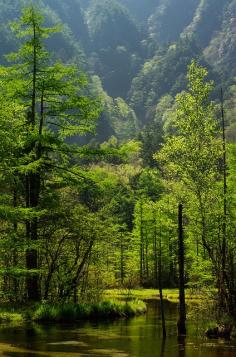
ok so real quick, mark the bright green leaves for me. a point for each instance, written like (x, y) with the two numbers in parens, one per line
(196, 81)
(30, 21)
(190, 161)
(30, 29)
(61, 105)
(192, 155)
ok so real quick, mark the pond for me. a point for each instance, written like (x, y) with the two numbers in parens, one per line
(137, 337)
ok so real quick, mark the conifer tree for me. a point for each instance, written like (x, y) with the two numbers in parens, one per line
(54, 106)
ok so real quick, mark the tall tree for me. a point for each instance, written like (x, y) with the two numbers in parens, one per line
(191, 159)
(181, 256)
(55, 106)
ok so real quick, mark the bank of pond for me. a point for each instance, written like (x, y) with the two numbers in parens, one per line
(69, 312)
(110, 328)
(116, 303)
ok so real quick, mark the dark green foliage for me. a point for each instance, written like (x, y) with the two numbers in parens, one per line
(151, 138)
(116, 40)
(70, 13)
(222, 49)
(110, 26)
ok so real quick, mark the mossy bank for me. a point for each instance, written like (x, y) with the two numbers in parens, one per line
(70, 313)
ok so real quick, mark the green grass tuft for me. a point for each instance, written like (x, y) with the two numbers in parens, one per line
(6, 317)
(73, 312)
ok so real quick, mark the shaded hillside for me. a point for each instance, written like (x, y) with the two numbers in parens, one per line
(221, 51)
(207, 20)
(115, 44)
(70, 13)
(65, 45)
(138, 50)
(170, 19)
(142, 9)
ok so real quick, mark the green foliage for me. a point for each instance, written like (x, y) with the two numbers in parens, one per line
(117, 116)
(190, 160)
(164, 73)
(104, 215)
(104, 17)
(206, 20)
(48, 104)
(65, 45)
(71, 312)
(194, 148)
(116, 41)
(13, 317)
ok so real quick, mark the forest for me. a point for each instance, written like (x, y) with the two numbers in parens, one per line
(118, 159)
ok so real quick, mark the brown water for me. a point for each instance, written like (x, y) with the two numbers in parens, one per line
(137, 337)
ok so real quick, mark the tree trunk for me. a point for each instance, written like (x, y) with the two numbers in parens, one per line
(155, 256)
(222, 293)
(15, 255)
(182, 310)
(160, 291)
(141, 244)
(122, 272)
(32, 199)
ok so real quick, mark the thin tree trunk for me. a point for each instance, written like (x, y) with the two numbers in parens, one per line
(155, 255)
(163, 345)
(160, 290)
(15, 255)
(141, 243)
(182, 309)
(73, 285)
(224, 227)
(146, 255)
(121, 259)
(32, 199)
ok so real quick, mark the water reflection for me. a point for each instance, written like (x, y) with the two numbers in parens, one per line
(181, 346)
(163, 345)
(23, 354)
(138, 337)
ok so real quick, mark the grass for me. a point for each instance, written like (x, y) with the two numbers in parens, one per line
(8, 315)
(148, 294)
(65, 313)
(112, 307)
(68, 312)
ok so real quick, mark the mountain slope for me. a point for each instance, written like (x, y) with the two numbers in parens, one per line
(221, 51)
(207, 20)
(170, 19)
(139, 49)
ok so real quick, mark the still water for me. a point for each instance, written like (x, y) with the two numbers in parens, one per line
(137, 337)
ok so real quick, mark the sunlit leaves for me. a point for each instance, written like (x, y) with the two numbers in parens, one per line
(192, 155)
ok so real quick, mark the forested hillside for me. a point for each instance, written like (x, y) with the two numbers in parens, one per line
(138, 49)
(118, 127)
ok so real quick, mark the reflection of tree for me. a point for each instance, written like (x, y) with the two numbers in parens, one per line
(163, 345)
(181, 346)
